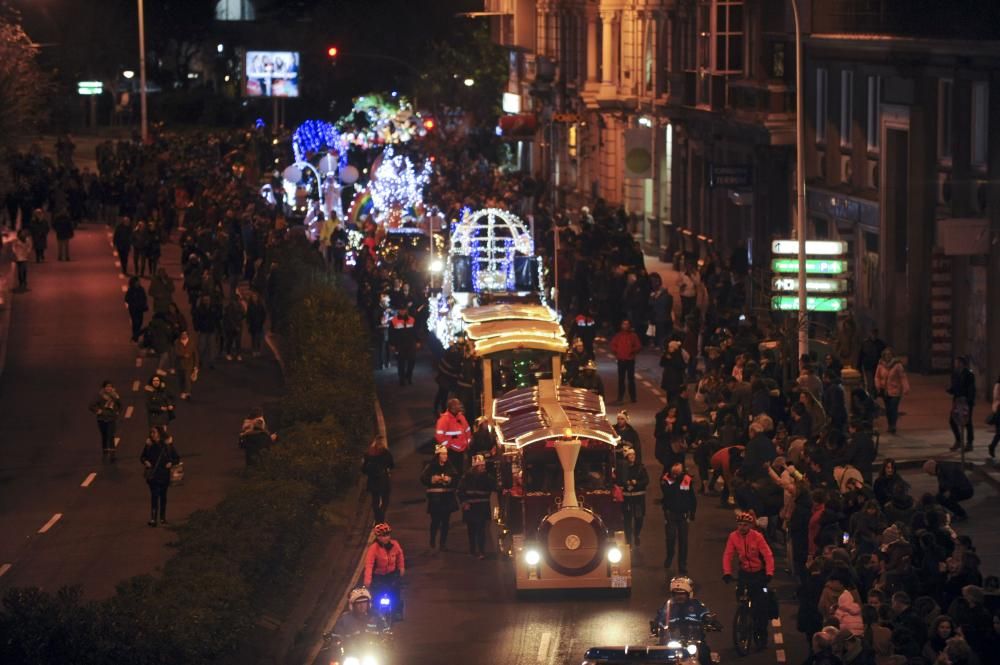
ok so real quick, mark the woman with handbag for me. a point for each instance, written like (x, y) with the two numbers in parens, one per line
(158, 458)
(994, 418)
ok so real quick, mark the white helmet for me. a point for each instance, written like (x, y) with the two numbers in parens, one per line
(681, 585)
(358, 595)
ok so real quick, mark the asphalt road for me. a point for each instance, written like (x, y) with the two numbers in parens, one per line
(459, 609)
(69, 332)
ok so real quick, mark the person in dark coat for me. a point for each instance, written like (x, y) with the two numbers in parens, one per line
(633, 478)
(158, 457)
(206, 318)
(138, 304)
(674, 367)
(963, 393)
(256, 316)
(39, 229)
(122, 241)
(953, 486)
(474, 492)
(107, 407)
(232, 327)
(403, 342)
(440, 479)
(160, 336)
(834, 401)
(378, 465)
(679, 504)
(161, 290)
(628, 434)
(861, 449)
(159, 403)
(63, 226)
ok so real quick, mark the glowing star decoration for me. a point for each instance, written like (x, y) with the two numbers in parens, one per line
(397, 187)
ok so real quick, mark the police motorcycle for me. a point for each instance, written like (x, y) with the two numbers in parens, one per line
(681, 624)
(678, 633)
(360, 636)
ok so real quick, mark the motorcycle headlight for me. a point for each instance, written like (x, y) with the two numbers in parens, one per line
(369, 660)
(385, 601)
(692, 649)
(532, 557)
(351, 660)
(672, 644)
(614, 555)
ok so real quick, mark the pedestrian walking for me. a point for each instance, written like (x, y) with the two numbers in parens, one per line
(232, 327)
(869, 357)
(440, 478)
(161, 290)
(995, 417)
(626, 346)
(158, 456)
(159, 338)
(679, 504)
(186, 359)
(674, 363)
(474, 492)
(22, 248)
(63, 227)
(206, 317)
(159, 403)
(107, 408)
(256, 316)
(892, 384)
(633, 478)
(377, 465)
(963, 397)
(137, 303)
(140, 241)
(39, 228)
(403, 342)
(122, 240)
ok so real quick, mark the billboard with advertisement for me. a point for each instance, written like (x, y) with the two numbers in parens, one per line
(271, 74)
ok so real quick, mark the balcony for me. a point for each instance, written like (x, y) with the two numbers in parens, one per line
(760, 98)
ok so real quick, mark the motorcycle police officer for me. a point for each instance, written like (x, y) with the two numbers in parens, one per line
(683, 613)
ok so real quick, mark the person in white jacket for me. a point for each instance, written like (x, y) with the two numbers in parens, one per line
(22, 248)
(996, 418)
(848, 613)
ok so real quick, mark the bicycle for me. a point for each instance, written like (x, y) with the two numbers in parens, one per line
(743, 621)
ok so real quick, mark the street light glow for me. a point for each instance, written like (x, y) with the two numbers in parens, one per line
(219, 48)
(128, 73)
(469, 83)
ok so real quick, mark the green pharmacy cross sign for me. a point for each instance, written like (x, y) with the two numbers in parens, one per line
(813, 303)
(813, 266)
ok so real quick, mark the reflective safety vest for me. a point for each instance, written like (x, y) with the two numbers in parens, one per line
(453, 431)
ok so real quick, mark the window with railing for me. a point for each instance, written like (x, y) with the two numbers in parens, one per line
(980, 122)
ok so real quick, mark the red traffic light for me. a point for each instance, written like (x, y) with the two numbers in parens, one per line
(332, 51)
(429, 124)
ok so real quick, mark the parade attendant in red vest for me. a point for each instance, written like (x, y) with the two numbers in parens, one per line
(403, 342)
(453, 431)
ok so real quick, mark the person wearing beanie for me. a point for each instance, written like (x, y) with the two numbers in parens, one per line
(474, 492)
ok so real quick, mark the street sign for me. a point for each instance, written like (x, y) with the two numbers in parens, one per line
(89, 88)
(813, 247)
(813, 266)
(813, 284)
(813, 303)
(730, 175)
(567, 117)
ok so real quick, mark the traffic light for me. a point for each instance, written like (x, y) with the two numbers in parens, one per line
(332, 51)
(429, 124)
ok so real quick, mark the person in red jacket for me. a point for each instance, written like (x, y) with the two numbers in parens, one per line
(453, 431)
(756, 568)
(626, 345)
(385, 565)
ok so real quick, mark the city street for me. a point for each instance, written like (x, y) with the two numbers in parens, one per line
(68, 518)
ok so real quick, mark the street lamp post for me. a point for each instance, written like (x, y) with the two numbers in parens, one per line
(142, 75)
(800, 185)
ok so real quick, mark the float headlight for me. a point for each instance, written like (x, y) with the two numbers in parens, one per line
(614, 555)
(532, 557)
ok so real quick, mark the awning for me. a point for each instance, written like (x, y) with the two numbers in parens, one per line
(527, 415)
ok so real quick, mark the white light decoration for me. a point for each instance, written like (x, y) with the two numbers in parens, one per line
(397, 186)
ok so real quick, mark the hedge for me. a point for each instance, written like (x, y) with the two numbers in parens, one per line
(230, 558)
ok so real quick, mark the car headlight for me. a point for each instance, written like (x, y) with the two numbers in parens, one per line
(692, 649)
(614, 555)
(532, 557)
(351, 660)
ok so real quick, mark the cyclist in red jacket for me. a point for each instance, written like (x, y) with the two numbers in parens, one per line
(756, 568)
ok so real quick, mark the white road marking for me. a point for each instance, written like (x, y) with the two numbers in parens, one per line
(779, 638)
(124, 288)
(128, 412)
(4, 568)
(115, 253)
(89, 479)
(138, 361)
(135, 385)
(543, 647)
(52, 520)
(118, 440)
(776, 623)
(121, 275)
(780, 655)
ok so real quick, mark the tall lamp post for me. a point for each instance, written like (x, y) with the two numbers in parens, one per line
(800, 185)
(142, 75)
